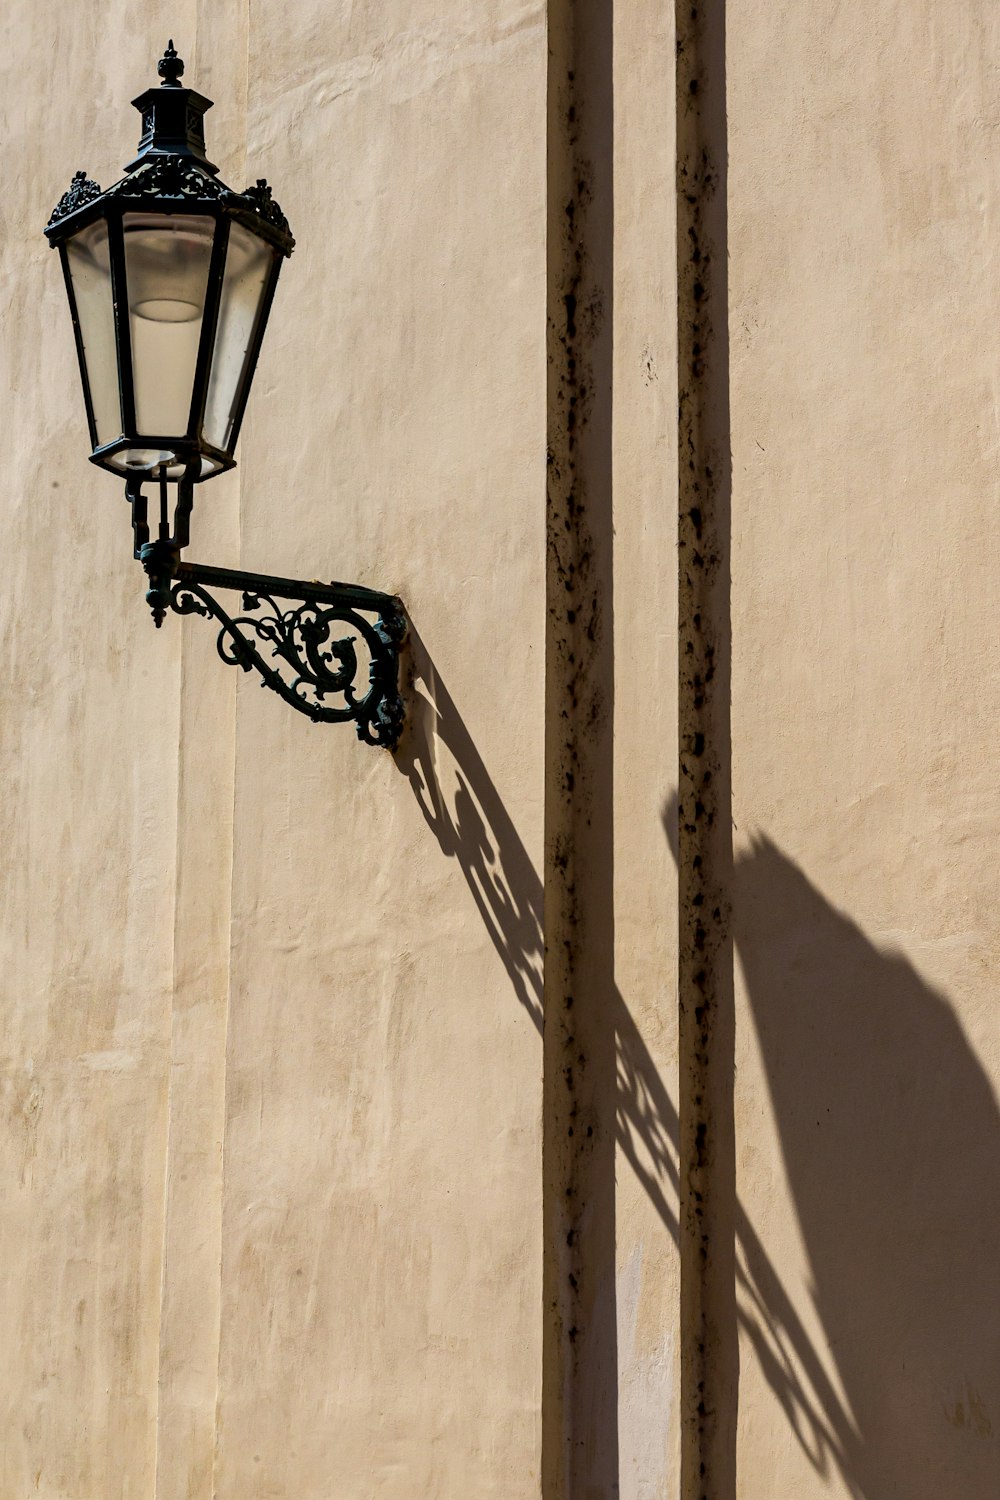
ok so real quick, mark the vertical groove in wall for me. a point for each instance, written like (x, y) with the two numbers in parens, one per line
(709, 1356)
(222, 1104)
(169, 1102)
(162, 1436)
(580, 1375)
(247, 61)
(191, 1292)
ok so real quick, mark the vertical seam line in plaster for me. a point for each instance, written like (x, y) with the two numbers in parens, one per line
(165, 1204)
(232, 875)
(165, 1181)
(225, 1089)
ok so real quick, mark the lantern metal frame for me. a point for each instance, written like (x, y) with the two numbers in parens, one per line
(179, 188)
(297, 652)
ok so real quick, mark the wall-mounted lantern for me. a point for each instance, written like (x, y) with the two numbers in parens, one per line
(170, 277)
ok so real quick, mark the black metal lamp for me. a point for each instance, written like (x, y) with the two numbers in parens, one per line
(170, 277)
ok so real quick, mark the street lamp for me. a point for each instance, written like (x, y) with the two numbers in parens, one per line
(170, 277)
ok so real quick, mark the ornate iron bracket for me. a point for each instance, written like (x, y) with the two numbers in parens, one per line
(299, 651)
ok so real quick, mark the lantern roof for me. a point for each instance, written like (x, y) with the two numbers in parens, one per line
(172, 116)
(171, 169)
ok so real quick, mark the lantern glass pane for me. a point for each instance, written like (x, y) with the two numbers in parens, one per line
(167, 260)
(90, 271)
(249, 263)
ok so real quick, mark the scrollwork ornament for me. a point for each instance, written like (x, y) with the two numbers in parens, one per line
(81, 191)
(175, 177)
(300, 654)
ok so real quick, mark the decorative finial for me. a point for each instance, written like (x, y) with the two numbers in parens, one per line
(170, 66)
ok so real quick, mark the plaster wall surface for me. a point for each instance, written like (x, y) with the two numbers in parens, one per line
(864, 287)
(380, 1234)
(271, 1146)
(271, 1154)
(273, 1164)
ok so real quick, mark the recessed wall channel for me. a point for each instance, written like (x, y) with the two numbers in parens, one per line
(709, 1357)
(580, 1405)
(580, 1376)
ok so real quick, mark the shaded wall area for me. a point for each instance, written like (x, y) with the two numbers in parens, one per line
(866, 694)
(889, 1134)
(871, 1343)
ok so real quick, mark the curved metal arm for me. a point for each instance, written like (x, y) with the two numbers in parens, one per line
(312, 663)
(298, 652)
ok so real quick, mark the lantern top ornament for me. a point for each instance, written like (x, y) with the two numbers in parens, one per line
(171, 165)
(172, 116)
(170, 66)
(170, 276)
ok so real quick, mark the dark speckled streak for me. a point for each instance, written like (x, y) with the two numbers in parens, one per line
(580, 1374)
(709, 1355)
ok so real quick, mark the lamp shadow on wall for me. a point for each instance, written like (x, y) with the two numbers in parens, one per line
(890, 1140)
(466, 814)
(890, 1137)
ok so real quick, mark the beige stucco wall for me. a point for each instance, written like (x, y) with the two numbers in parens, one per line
(272, 1178)
(272, 1105)
(864, 289)
(272, 1109)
